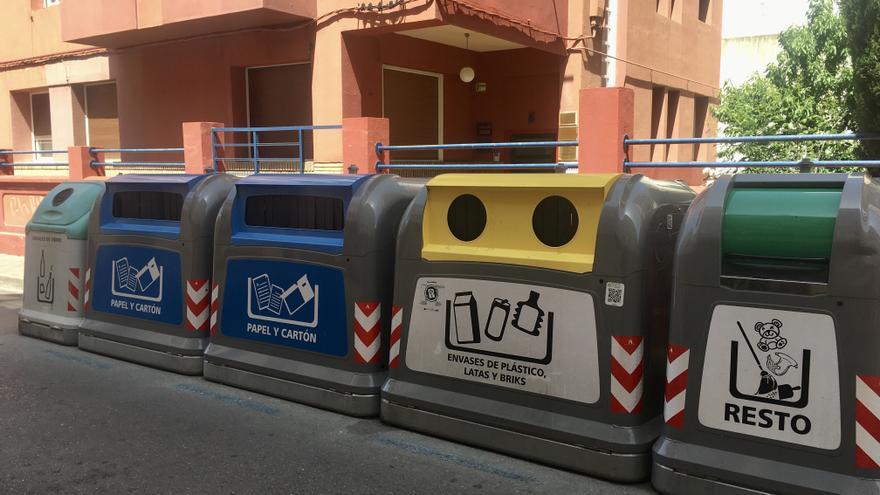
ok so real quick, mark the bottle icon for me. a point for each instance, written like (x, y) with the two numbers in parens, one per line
(497, 322)
(467, 323)
(528, 316)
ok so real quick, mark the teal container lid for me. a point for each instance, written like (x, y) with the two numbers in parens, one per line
(66, 209)
(781, 223)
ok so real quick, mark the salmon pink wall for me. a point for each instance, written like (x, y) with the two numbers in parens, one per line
(163, 85)
(519, 83)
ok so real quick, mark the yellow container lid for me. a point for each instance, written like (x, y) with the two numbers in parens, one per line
(508, 234)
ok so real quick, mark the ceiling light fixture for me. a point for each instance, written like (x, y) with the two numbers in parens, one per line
(466, 74)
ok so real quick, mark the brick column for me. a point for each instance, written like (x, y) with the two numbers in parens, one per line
(4, 168)
(198, 150)
(79, 163)
(359, 138)
(605, 115)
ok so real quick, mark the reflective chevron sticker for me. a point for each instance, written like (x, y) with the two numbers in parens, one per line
(367, 330)
(627, 373)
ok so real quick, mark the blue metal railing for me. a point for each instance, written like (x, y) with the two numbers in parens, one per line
(782, 138)
(33, 163)
(384, 150)
(254, 145)
(136, 164)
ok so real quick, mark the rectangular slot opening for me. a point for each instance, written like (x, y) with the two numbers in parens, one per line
(148, 205)
(295, 212)
(781, 236)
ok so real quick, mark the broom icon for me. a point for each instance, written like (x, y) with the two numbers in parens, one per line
(768, 383)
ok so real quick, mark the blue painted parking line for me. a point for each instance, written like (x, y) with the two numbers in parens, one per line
(78, 358)
(228, 399)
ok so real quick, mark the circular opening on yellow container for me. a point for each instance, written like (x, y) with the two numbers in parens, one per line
(466, 217)
(555, 221)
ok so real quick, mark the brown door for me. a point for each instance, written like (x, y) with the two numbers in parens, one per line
(281, 96)
(103, 119)
(411, 103)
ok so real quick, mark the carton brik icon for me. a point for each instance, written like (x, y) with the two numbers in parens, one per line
(148, 275)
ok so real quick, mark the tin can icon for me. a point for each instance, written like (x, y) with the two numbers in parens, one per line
(467, 322)
(497, 322)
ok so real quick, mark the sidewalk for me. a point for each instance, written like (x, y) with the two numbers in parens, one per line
(11, 273)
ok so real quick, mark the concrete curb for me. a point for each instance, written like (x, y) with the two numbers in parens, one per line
(11, 284)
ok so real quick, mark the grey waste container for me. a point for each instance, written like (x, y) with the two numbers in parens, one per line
(148, 280)
(54, 261)
(531, 314)
(304, 272)
(773, 381)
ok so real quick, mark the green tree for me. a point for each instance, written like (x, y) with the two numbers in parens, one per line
(862, 19)
(807, 90)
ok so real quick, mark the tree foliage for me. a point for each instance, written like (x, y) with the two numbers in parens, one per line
(862, 20)
(807, 90)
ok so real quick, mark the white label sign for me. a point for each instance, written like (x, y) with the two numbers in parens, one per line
(526, 337)
(772, 374)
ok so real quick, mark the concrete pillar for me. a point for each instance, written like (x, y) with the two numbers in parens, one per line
(606, 115)
(68, 116)
(4, 168)
(327, 88)
(79, 161)
(359, 138)
(198, 149)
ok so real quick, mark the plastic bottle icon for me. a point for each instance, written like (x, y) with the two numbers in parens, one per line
(528, 316)
(467, 323)
(497, 322)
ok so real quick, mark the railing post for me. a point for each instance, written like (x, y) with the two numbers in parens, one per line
(4, 168)
(359, 138)
(198, 147)
(606, 115)
(255, 152)
(79, 163)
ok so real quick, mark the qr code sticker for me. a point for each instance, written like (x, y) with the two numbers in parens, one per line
(614, 294)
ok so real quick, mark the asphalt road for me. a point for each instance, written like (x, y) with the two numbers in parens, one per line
(74, 422)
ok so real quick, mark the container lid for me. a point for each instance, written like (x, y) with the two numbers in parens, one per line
(293, 210)
(66, 209)
(146, 204)
(540, 220)
(780, 223)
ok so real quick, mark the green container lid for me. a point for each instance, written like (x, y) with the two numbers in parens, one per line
(786, 223)
(66, 209)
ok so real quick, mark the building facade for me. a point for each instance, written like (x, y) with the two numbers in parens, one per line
(126, 73)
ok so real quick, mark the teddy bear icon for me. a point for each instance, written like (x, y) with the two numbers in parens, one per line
(771, 335)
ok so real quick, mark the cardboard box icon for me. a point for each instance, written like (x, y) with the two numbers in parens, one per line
(298, 295)
(148, 275)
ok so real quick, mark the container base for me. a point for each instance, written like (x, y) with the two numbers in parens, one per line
(681, 468)
(621, 467)
(359, 405)
(63, 336)
(185, 365)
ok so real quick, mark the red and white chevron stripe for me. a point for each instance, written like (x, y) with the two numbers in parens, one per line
(396, 328)
(676, 385)
(197, 302)
(868, 421)
(367, 330)
(88, 286)
(627, 373)
(74, 288)
(215, 305)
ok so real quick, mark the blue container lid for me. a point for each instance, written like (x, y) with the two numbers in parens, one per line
(135, 188)
(340, 187)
